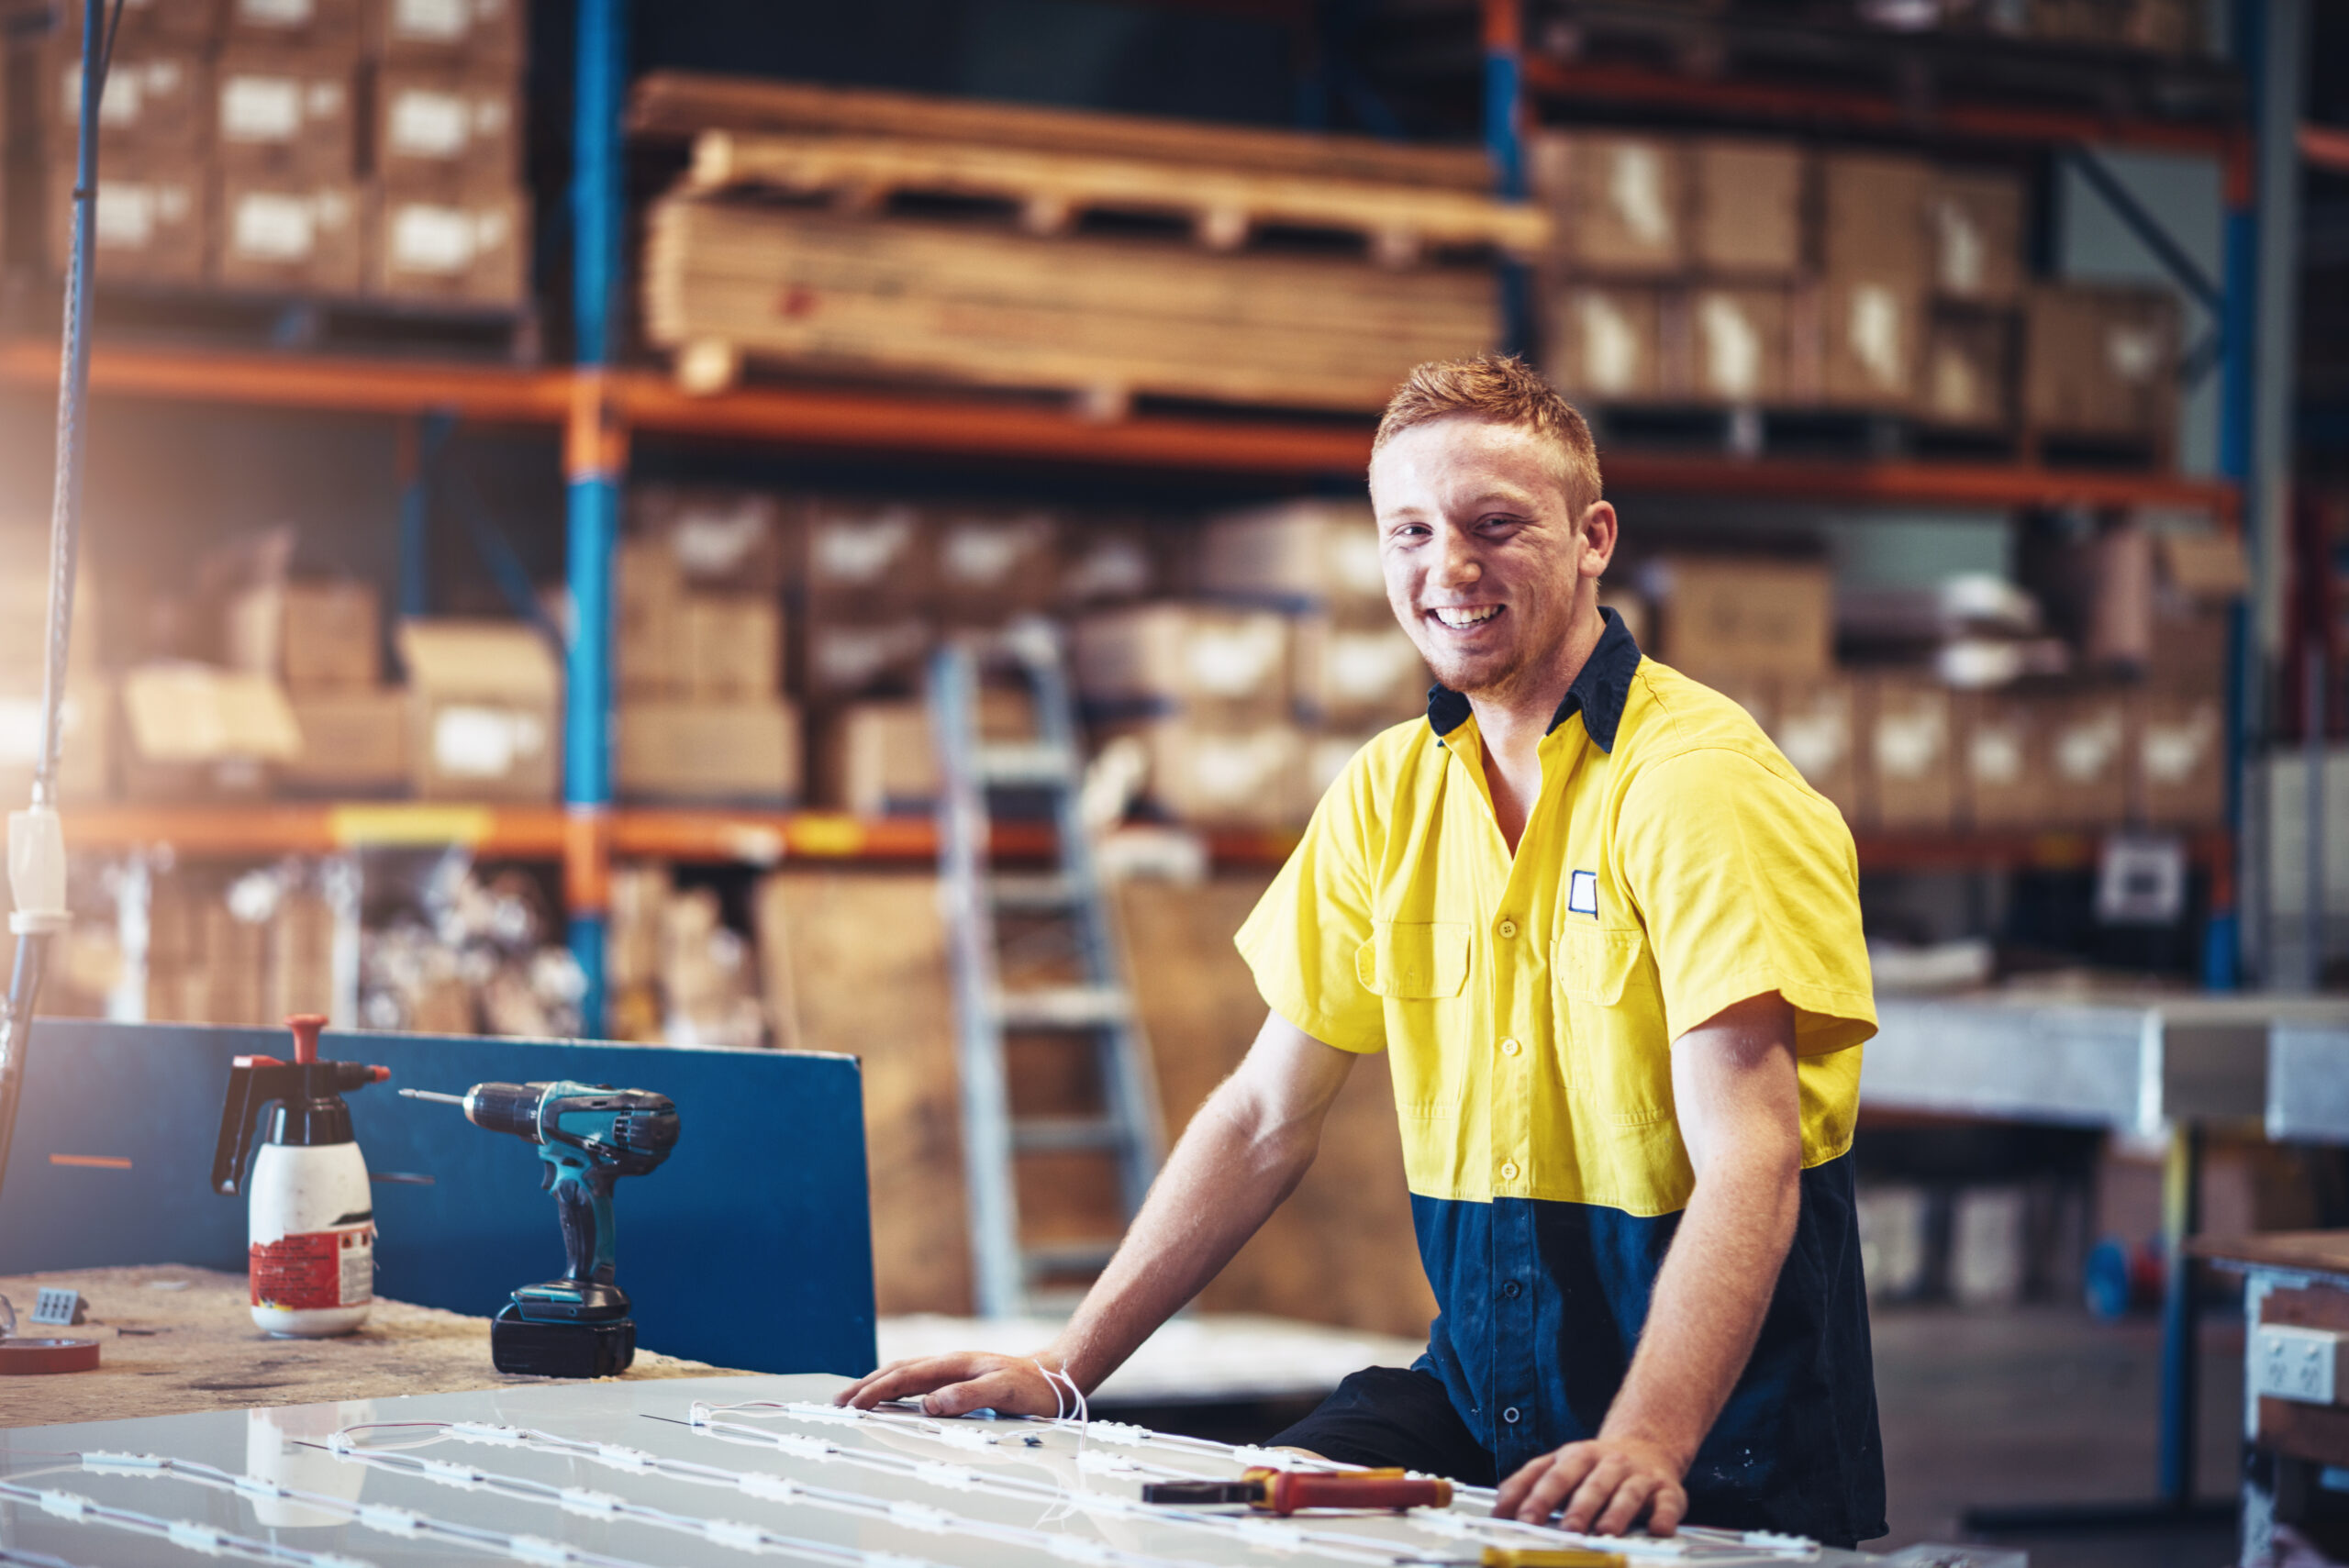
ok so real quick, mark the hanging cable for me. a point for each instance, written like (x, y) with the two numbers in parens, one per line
(36, 836)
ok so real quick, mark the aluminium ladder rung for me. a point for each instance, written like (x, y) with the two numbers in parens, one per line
(1066, 1257)
(1054, 1134)
(1028, 894)
(1034, 763)
(1063, 1007)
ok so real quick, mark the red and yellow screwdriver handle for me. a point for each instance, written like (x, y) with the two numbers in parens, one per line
(1286, 1491)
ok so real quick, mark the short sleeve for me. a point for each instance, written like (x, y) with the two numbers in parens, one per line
(1302, 939)
(1747, 883)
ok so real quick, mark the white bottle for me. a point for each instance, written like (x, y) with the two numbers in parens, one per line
(312, 1239)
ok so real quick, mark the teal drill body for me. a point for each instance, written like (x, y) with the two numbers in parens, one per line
(588, 1136)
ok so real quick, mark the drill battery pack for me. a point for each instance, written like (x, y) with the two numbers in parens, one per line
(537, 1347)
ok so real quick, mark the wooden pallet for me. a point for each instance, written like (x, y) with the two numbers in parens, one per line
(1399, 224)
(678, 105)
(1106, 319)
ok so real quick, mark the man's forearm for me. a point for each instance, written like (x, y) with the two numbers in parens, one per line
(1233, 1167)
(1709, 1300)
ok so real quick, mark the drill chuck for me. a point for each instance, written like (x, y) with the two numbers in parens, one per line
(506, 1108)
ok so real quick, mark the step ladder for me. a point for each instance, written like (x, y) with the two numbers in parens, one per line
(1034, 954)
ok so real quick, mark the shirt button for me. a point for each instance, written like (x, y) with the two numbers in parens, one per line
(1508, 1171)
(1509, 1047)
(1508, 928)
(1509, 1414)
(1510, 1288)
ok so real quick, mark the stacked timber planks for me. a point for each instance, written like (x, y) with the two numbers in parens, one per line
(831, 231)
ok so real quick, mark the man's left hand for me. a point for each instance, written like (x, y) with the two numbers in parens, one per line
(1604, 1486)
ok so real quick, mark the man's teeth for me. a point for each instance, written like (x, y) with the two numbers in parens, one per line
(1462, 619)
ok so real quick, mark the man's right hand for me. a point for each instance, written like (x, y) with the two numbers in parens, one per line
(958, 1384)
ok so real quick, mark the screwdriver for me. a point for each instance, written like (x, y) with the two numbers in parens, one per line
(1286, 1491)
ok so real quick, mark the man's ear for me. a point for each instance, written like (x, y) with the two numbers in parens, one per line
(1598, 533)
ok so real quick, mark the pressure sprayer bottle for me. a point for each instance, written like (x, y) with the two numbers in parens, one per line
(312, 1225)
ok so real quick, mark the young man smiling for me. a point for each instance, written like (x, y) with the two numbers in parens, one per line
(1610, 943)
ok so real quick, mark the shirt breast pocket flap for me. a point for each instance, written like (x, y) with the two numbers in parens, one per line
(1414, 960)
(1594, 963)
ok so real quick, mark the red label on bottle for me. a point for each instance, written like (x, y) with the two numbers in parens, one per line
(322, 1269)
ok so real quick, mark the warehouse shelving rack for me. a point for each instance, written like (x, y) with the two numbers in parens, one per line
(599, 404)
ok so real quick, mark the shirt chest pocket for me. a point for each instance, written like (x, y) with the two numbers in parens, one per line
(1414, 960)
(1420, 969)
(1614, 1022)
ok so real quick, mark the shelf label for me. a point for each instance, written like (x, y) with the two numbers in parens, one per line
(351, 826)
(827, 834)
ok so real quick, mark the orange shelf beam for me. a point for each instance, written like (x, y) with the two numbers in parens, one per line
(1649, 87)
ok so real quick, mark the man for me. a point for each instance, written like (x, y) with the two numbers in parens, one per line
(1610, 943)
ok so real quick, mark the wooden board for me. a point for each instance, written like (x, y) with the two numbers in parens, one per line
(174, 1339)
(1051, 188)
(822, 292)
(677, 106)
(2315, 1252)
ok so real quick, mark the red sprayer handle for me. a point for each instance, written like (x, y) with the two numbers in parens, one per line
(1286, 1491)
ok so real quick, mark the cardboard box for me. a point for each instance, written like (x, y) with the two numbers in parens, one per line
(1233, 776)
(464, 249)
(746, 751)
(195, 730)
(1969, 364)
(196, 22)
(1304, 554)
(880, 759)
(354, 741)
(733, 647)
(864, 658)
(1109, 563)
(486, 710)
(1738, 345)
(1816, 724)
(994, 566)
(300, 938)
(153, 219)
(158, 99)
(2190, 650)
(876, 555)
(1744, 617)
(648, 607)
(2210, 567)
(447, 126)
(1910, 758)
(1975, 224)
(1748, 204)
(321, 24)
(291, 235)
(1872, 218)
(1169, 658)
(2178, 771)
(287, 114)
(1352, 676)
(1872, 341)
(2001, 761)
(1606, 342)
(1621, 201)
(2088, 752)
(739, 540)
(310, 635)
(470, 33)
(2102, 361)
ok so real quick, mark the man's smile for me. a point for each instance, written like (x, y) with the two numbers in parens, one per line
(1463, 617)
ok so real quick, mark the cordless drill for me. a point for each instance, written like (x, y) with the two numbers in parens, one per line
(589, 1135)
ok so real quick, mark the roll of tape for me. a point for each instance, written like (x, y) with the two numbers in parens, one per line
(21, 1357)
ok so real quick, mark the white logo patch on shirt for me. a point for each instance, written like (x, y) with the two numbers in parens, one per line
(1581, 893)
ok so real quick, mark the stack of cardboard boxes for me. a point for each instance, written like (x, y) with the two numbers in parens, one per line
(243, 949)
(700, 652)
(334, 148)
(1900, 752)
(323, 642)
(1731, 271)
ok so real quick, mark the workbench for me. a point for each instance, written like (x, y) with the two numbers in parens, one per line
(173, 1340)
(2296, 1479)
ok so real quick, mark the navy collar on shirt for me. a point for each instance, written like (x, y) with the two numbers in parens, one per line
(1599, 689)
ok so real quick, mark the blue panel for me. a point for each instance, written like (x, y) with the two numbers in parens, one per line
(751, 1247)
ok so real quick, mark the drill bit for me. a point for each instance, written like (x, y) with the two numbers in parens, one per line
(428, 1095)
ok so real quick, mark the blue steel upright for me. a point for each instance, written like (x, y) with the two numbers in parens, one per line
(1505, 145)
(592, 461)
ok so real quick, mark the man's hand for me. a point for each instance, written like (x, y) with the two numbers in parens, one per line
(1604, 1486)
(959, 1383)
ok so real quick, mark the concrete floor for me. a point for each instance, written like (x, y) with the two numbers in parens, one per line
(2044, 1404)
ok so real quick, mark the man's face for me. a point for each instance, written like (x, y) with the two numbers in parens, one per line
(1485, 559)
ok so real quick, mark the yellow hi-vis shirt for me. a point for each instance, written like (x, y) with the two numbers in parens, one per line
(1675, 863)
